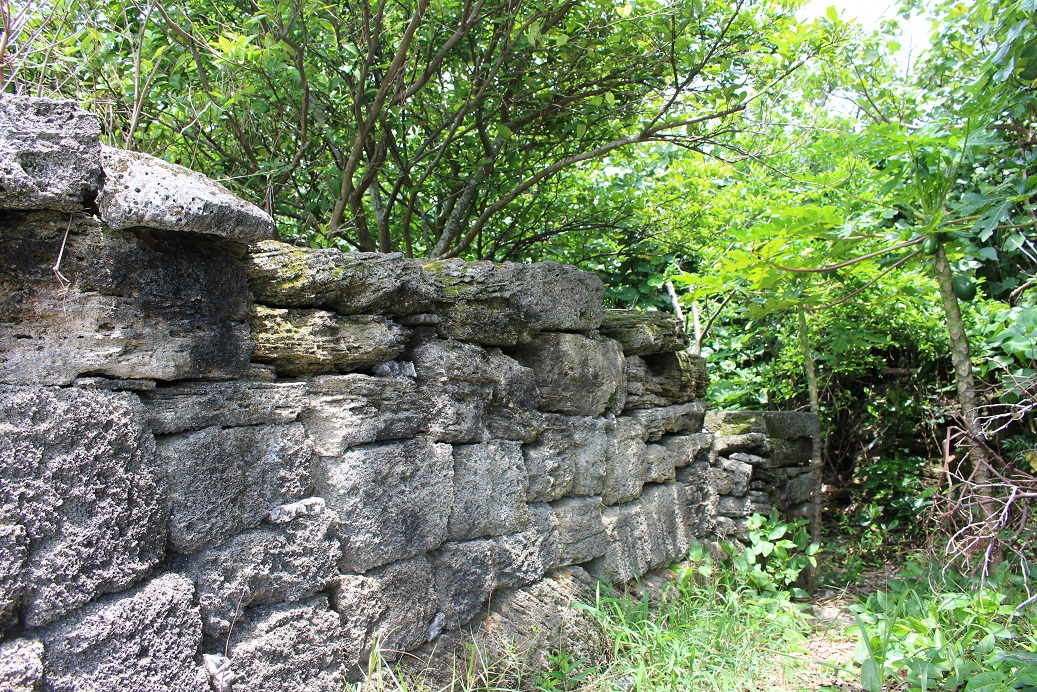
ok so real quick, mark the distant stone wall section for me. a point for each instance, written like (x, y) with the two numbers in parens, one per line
(228, 463)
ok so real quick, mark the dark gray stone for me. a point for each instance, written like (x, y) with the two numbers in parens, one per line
(581, 533)
(187, 406)
(788, 425)
(682, 418)
(702, 500)
(625, 461)
(490, 487)
(567, 458)
(576, 374)
(664, 379)
(732, 477)
(643, 332)
(686, 449)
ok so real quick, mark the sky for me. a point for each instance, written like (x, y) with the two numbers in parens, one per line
(914, 34)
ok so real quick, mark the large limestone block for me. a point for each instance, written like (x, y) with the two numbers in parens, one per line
(225, 480)
(142, 190)
(753, 444)
(685, 449)
(645, 534)
(490, 487)
(732, 423)
(581, 533)
(477, 394)
(142, 641)
(567, 458)
(642, 333)
(664, 379)
(350, 283)
(575, 374)
(788, 425)
(626, 462)
(794, 491)
(50, 154)
(293, 557)
(702, 500)
(682, 418)
(187, 406)
(21, 665)
(659, 466)
(78, 474)
(290, 647)
(312, 342)
(343, 411)
(393, 606)
(147, 305)
(732, 477)
(789, 453)
(394, 500)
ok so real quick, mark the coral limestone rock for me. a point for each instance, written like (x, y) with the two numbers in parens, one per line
(643, 333)
(576, 374)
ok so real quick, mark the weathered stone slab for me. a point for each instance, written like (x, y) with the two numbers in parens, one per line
(788, 425)
(144, 640)
(21, 665)
(735, 507)
(393, 606)
(786, 453)
(148, 305)
(682, 418)
(750, 443)
(567, 458)
(526, 556)
(581, 533)
(465, 578)
(732, 423)
(286, 561)
(312, 342)
(50, 154)
(701, 508)
(732, 477)
(477, 394)
(343, 411)
(394, 500)
(795, 491)
(142, 190)
(187, 406)
(664, 379)
(225, 480)
(77, 473)
(490, 487)
(625, 460)
(290, 647)
(643, 332)
(659, 466)
(286, 276)
(575, 374)
(686, 449)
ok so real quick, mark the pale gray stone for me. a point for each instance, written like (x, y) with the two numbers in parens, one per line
(752, 443)
(343, 411)
(148, 305)
(14, 551)
(187, 406)
(290, 647)
(581, 533)
(312, 342)
(788, 425)
(142, 190)
(289, 561)
(734, 507)
(394, 500)
(681, 418)
(730, 423)
(77, 472)
(477, 394)
(21, 665)
(732, 477)
(659, 467)
(702, 500)
(392, 606)
(664, 379)
(526, 556)
(625, 461)
(142, 641)
(645, 534)
(224, 480)
(685, 449)
(751, 459)
(50, 154)
(643, 332)
(575, 374)
(567, 458)
(490, 487)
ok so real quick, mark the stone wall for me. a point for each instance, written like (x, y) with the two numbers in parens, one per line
(231, 463)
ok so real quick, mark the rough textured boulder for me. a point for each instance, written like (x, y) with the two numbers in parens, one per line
(567, 458)
(188, 406)
(225, 480)
(575, 374)
(21, 665)
(77, 472)
(701, 507)
(50, 154)
(664, 379)
(581, 533)
(141, 641)
(788, 425)
(343, 411)
(146, 305)
(144, 191)
(626, 467)
(735, 423)
(643, 333)
(394, 500)
(311, 342)
(290, 647)
(682, 418)
(292, 558)
(476, 394)
(490, 487)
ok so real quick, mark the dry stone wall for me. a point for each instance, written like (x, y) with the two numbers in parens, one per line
(228, 463)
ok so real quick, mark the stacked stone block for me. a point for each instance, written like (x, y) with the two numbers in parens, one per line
(229, 463)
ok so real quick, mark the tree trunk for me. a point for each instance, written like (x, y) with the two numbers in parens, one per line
(815, 451)
(963, 377)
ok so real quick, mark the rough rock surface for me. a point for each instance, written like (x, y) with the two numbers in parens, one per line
(188, 406)
(141, 190)
(490, 487)
(581, 533)
(645, 534)
(682, 418)
(137, 305)
(50, 155)
(77, 473)
(575, 374)
(643, 333)
(21, 665)
(788, 425)
(141, 641)
(290, 647)
(311, 342)
(223, 481)
(394, 500)
(567, 458)
(664, 379)
(285, 561)
(626, 467)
